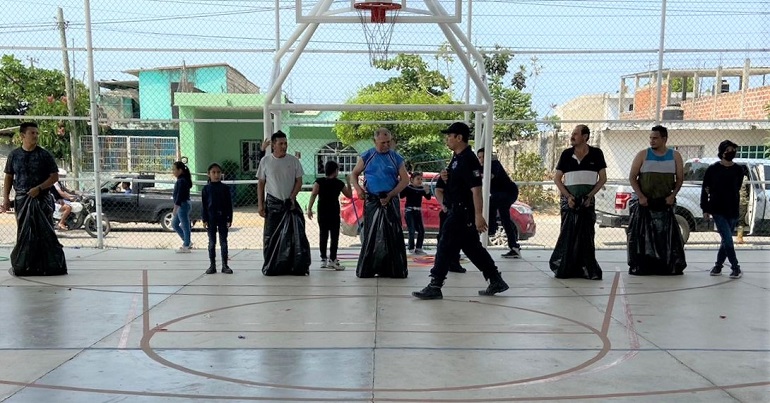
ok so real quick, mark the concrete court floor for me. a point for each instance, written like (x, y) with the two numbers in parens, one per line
(149, 326)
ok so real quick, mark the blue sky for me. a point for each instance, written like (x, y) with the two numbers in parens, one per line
(229, 31)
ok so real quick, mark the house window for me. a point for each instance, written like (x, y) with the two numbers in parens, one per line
(689, 152)
(345, 156)
(751, 151)
(251, 153)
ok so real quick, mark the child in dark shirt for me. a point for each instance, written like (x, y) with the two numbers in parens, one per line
(414, 194)
(327, 190)
(217, 216)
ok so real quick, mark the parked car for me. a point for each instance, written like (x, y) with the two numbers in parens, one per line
(144, 203)
(352, 212)
(612, 200)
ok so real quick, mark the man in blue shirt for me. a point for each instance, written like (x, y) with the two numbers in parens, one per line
(385, 176)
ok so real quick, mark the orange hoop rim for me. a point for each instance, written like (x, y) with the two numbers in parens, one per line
(378, 9)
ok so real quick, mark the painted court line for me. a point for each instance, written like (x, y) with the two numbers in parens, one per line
(123, 343)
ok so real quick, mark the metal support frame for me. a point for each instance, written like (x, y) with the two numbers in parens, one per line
(92, 88)
(463, 48)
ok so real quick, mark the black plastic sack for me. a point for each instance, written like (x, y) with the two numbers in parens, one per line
(655, 245)
(37, 251)
(383, 252)
(287, 250)
(575, 252)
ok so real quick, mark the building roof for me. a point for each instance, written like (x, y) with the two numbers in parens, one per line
(135, 72)
(119, 84)
(726, 72)
(690, 125)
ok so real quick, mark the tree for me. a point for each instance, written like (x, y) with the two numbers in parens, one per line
(676, 84)
(41, 92)
(421, 143)
(511, 102)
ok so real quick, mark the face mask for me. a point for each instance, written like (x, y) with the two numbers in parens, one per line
(729, 155)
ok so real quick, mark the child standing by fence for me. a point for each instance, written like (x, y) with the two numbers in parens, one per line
(181, 221)
(413, 211)
(217, 216)
(328, 190)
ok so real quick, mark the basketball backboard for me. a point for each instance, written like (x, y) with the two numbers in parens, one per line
(412, 11)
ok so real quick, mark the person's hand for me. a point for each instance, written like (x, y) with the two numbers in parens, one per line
(205, 224)
(571, 201)
(34, 192)
(293, 203)
(261, 210)
(229, 224)
(386, 200)
(266, 144)
(587, 202)
(643, 200)
(706, 216)
(444, 209)
(175, 210)
(362, 195)
(6, 205)
(309, 214)
(481, 224)
(444, 175)
(670, 200)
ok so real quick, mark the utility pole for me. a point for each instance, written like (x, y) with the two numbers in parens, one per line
(70, 100)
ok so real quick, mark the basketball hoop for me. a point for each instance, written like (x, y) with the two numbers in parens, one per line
(377, 29)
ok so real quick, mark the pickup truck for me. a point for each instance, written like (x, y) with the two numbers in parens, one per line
(142, 202)
(612, 200)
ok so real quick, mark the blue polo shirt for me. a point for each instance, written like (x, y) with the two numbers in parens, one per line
(381, 170)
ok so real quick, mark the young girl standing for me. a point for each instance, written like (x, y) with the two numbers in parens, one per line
(181, 221)
(328, 191)
(413, 211)
(217, 216)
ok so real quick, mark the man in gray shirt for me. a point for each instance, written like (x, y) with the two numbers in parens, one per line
(280, 180)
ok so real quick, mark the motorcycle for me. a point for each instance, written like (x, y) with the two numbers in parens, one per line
(83, 215)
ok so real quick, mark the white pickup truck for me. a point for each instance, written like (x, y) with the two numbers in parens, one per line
(612, 200)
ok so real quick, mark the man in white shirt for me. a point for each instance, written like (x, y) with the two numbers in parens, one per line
(280, 180)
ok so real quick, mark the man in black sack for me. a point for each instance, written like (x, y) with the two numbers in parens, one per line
(465, 219)
(286, 248)
(580, 174)
(655, 245)
(383, 252)
(32, 171)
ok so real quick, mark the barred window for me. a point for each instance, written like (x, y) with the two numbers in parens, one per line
(345, 156)
(251, 152)
(752, 151)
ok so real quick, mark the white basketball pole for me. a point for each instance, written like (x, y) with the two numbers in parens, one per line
(94, 124)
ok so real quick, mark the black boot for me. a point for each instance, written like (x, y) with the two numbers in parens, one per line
(212, 268)
(496, 285)
(457, 269)
(432, 291)
(226, 269)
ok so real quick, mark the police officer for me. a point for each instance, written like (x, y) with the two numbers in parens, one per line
(464, 221)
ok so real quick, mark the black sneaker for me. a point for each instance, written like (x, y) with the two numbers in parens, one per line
(496, 285)
(227, 270)
(514, 253)
(212, 269)
(736, 273)
(457, 269)
(717, 270)
(429, 292)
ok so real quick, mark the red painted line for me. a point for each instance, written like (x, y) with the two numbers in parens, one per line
(610, 305)
(129, 319)
(145, 303)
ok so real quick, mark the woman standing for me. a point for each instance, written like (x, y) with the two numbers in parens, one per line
(181, 221)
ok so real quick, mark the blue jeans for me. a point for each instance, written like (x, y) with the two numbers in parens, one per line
(181, 222)
(415, 226)
(725, 227)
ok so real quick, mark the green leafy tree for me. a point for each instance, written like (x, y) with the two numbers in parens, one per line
(507, 90)
(676, 84)
(530, 168)
(41, 92)
(420, 144)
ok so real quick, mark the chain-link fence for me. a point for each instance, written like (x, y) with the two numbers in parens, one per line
(189, 80)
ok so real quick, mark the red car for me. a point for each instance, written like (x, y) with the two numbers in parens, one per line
(352, 212)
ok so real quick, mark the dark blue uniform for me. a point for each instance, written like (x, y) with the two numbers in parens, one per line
(459, 230)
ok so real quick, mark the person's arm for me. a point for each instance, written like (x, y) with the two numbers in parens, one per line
(597, 187)
(52, 178)
(357, 171)
(478, 208)
(313, 195)
(403, 182)
(261, 186)
(64, 194)
(439, 192)
(705, 193)
(228, 207)
(633, 177)
(205, 205)
(7, 183)
(671, 199)
(346, 189)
